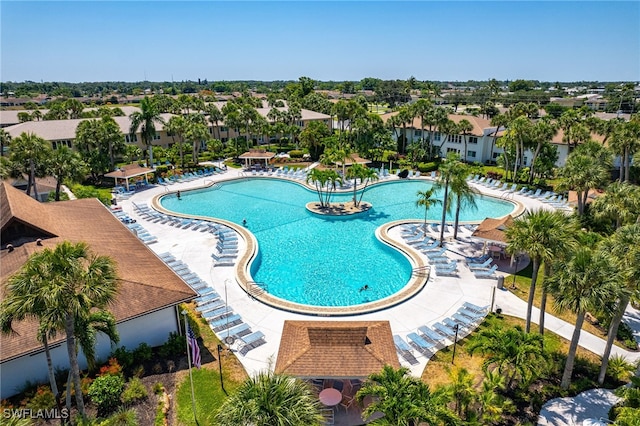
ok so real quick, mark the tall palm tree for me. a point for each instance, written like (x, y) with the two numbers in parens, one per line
(79, 282)
(543, 131)
(447, 170)
(625, 141)
(462, 192)
(624, 248)
(365, 174)
(585, 282)
(500, 121)
(620, 203)
(65, 164)
(215, 117)
(542, 234)
(270, 399)
(427, 199)
(145, 120)
(461, 390)
(5, 141)
(26, 297)
(176, 127)
(587, 167)
(31, 152)
(513, 353)
(465, 127)
(403, 399)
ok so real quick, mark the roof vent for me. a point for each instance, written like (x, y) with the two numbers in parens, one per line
(39, 242)
(10, 247)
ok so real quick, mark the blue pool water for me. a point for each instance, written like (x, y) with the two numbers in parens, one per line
(321, 261)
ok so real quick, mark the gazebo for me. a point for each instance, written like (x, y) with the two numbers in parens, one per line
(492, 231)
(335, 349)
(129, 171)
(353, 159)
(257, 154)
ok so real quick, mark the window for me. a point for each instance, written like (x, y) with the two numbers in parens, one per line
(457, 151)
(224, 129)
(156, 137)
(131, 138)
(525, 160)
(417, 133)
(300, 123)
(436, 136)
(61, 143)
(471, 154)
(455, 139)
(210, 130)
(496, 155)
(473, 139)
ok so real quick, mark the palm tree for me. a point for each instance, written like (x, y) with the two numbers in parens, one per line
(5, 141)
(513, 353)
(500, 121)
(215, 117)
(543, 131)
(542, 234)
(624, 248)
(403, 399)
(586, 281)
(587, 167)
(26, 297)
(324, 179)
(465, 127)
(427, 199)
(462, 193)
(145, 120)
(461, 390)
(447, 170)
(625, 141)
(65, 164)
(270, 399)
(620, 203)
(176, 127)
(79, 282)
(31, 152)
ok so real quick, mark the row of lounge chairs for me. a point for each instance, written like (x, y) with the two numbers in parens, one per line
(140, 232)
(221, 317)
(427, 340)
(482, 267)
(189, 176)
(151, 215)
(227, 248)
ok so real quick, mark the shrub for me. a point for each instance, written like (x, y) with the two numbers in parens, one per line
(105, 392)
(42, 400)
(122, 417)
(134, 391)
(296, 153)
(427, 167)
(619, 368)
(158, 388)
(124, 357)
(143, 352)
(112, 367)
(174, 346)
(161, 169)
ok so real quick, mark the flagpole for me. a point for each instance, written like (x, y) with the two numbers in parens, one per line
(186, 334)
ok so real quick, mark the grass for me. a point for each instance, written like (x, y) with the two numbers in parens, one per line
(206, 382)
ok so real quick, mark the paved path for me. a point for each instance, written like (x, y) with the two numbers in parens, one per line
(591, 404)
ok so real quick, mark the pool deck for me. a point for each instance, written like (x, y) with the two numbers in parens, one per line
(429, 301)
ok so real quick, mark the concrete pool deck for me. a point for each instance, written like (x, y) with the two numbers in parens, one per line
(438, 299)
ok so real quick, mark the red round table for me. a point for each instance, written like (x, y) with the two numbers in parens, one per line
(330, 397)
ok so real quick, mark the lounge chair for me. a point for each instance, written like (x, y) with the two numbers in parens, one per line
(252, 341)
(485, 265)
(206, 297)
(207, 308)
(435, 253)
(474, 316)
(444, 330)
(465, 321)
(420, 344)
(513, 188)
(430, 334)
(224, 323)
(486, 273)
(453, 325)
(238, 331)
(214, 314)
(404, 350)
(475, 308)
(535, 194)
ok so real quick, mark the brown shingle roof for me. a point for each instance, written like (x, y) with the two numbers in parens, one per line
(129, 170)
(338, 349)
(15, 205)
(493, 229)
(257, 153)
(146, 283)
(479, 124)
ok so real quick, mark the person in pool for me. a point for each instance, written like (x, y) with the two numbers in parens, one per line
(364, 287)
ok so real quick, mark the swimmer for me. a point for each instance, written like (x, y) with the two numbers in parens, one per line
(364, 287)
(179, 195)
(244, 222)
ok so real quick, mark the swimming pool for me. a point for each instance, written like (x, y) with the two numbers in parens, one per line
(318, 260)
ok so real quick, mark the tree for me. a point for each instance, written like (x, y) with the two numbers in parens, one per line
(620, 203)
(513, 353)
(465, 127)
(462, 192)
(270, 399)
(447, 170)
(176, 127)
(500, 121)
(624, 248)
(312, 138)
(461, 390)
(427, 199)
(324, 179)
(404, 400)
(79, 281)
(543, 132)
(31, 152)
(543, 235)
(625, 141)
(145, 120)
(587, 167)
(582, 283)
(5, 141)
(196, 131)
(215, 117)
(65, 164)
(90, 138)
(422, 108)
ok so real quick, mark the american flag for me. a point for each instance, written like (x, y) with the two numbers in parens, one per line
(195, 349)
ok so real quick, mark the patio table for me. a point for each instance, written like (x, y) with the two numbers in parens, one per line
(330, 397)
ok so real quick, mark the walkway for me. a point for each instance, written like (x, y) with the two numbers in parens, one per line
(441, 297)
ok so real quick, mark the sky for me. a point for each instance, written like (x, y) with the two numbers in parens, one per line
(325, 40)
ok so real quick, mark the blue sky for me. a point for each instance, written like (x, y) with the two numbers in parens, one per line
(324, 40)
